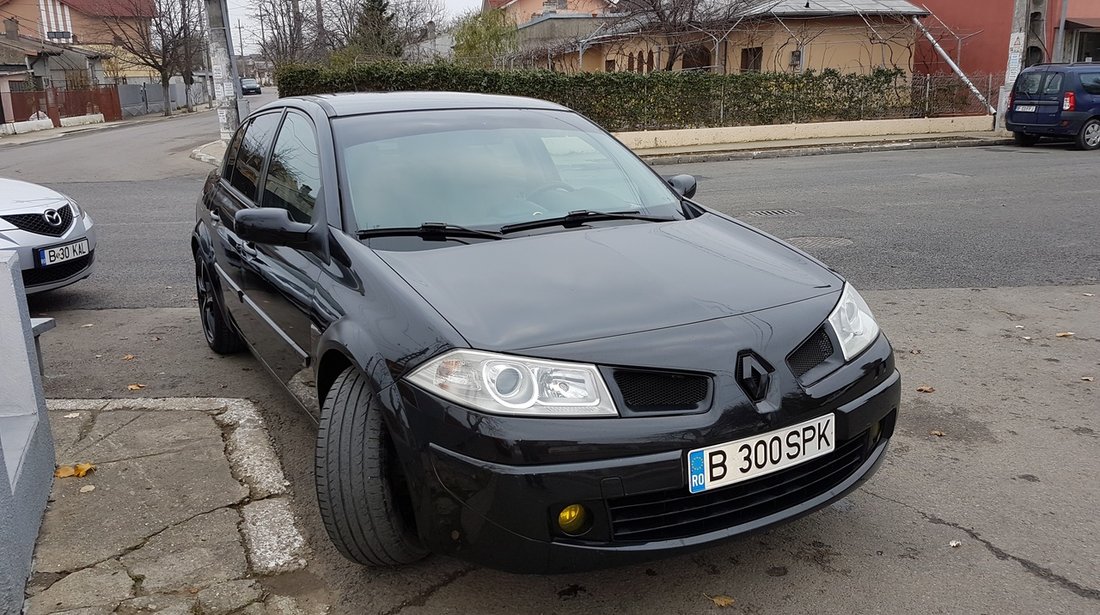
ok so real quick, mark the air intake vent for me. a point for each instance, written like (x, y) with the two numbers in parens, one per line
(38, 223)
(812, 353)
(661, 391)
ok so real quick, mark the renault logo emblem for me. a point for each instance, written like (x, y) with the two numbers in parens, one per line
(52, 217)
(753, 374)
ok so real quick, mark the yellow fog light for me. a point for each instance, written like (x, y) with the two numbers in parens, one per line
(573, 519)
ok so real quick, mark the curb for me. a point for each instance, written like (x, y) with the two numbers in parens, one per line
(201, 156)
(819, 150)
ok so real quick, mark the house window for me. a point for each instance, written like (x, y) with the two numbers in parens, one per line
(641, 62)
(752, 59)
(609, 65)
(649, 62)
(630, 62)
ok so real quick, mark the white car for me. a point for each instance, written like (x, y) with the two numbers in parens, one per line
(54, 238)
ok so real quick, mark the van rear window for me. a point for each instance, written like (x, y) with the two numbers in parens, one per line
(1091, 82)
(1029, 83)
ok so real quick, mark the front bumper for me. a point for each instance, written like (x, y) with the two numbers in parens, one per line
(1068, 125)
(501, 514)
(38, 279)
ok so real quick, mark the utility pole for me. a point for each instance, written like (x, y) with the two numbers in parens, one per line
(227, 85)
(321, 37)
(1060, 37)
(188, 64)
(1016, 43)
(240, 37)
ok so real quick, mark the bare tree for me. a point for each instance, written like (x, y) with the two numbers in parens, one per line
(152, 34)
(683, 24)
(411, 19)
(284, 38)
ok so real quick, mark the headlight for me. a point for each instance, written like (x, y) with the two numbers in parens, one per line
(503, 384)
(75, 208)
(853, 323)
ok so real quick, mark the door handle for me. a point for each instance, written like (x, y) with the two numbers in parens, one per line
(248, 248)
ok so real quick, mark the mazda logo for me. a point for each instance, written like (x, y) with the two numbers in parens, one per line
(754, 375)
(52, 217)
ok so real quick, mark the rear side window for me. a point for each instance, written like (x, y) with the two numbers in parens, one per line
(1028, 83)
(1053, 84)
(250, 156)
(1091, 82)
(294, 174)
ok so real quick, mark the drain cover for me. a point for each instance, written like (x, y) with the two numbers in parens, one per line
(816, 243)
(774, 213)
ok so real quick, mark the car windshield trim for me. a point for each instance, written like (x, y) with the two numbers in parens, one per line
(429, 230)
(577, 218)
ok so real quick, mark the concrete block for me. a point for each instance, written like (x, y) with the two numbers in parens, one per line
(82, 120)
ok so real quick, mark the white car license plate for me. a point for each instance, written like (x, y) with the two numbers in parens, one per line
(59, 254)
(725, 464)
(1025, 108)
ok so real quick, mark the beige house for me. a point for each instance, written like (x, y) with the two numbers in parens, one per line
(774, 36)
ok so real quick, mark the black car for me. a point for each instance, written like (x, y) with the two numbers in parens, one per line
(1058, 101)
(530, 350)
(250, 86)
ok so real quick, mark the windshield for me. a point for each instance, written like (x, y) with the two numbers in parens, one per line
(488, 168)
(249, 82)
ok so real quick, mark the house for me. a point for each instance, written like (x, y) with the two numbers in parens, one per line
(976, 34)
(84, 23)
(771, 36)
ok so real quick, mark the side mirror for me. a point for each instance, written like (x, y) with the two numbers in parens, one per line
(273, 226)
(684, 185)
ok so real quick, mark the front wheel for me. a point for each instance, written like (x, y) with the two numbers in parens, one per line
(1024, 139)
(361, 490)
(1089, 137)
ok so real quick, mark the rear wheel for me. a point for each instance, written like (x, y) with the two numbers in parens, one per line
(1089, 137)
(1024, 139)
(220, 336)
(361, 489)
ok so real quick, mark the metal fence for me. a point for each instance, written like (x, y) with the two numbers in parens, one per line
(147, 98)
(57, 103)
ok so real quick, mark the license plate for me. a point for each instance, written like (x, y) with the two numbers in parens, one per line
(59, 254)
(1026, 108)
(725, 464)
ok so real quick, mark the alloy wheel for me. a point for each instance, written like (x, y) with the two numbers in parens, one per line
(207, 306)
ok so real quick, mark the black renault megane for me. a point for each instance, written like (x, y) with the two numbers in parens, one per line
(530, 350)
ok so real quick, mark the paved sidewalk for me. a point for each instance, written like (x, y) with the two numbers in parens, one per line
(213, 152)
(186, 512)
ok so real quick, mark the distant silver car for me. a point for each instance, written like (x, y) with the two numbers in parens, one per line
(54, 238)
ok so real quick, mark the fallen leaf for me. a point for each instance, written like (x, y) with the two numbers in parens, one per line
(915, 351)
(955, 544)
(135, 387)
(1064, 334)
(937, 433)
(1087, 294)
(86, 326)
(721, 601)
(99, 356)
(1027, 337)
(1087, 378)
(128, 357)
(79, 470)
(87, 489)
(926, 388)
(72, 415)
(1019, 326)
(156, 339)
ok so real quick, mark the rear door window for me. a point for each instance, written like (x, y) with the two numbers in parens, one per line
(1029, 83)
(1091, 82)
(1053, 84)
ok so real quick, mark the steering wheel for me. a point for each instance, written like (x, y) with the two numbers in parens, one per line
(564, 187)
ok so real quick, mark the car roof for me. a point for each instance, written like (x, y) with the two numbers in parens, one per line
(361, 103)
(1068, 66)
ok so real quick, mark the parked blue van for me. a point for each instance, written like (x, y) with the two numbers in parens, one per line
(1060, 101)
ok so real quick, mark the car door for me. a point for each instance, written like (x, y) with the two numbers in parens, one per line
(278, 281)
(238, 189)
(1025, 97)
(1048, 107)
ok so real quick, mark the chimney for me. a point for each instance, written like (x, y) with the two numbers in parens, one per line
(11, 27)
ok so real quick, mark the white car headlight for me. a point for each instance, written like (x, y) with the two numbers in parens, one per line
(853, 323)
(75, 208)
(504, 384)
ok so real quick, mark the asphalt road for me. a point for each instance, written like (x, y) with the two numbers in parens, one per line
(1013, 478)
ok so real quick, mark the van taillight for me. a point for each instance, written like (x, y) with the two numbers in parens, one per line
(1069, 102)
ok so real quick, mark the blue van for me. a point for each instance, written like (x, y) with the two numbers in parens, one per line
(1060, 101)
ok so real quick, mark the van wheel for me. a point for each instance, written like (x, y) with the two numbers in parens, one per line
(361, 489)
(1089, 137)
(220, 335)
(1024, 139)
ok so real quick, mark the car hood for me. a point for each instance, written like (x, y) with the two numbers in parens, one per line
(19, 196)
(584, 284)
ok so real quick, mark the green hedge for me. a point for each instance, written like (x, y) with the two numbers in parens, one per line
(630, 101)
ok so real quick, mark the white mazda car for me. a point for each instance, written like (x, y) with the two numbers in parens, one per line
(54, 238)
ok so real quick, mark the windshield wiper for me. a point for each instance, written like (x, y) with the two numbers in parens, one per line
(430, 230)
(579, 217)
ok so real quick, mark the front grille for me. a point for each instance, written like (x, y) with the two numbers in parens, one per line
(645, 390)
(56, 273)
(812, 353)
(675, 513)
(36, 223)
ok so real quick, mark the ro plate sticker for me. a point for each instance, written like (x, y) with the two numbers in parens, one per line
(696, 474)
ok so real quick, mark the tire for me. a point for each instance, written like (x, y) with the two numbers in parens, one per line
(364, 504)
(220, 335)
(1089, 137)
(1025, 140)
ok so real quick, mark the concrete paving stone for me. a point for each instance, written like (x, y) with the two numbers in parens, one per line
(171, 404)
(157, 603)
(271, 535)
(254, 462)
(227, 597)
(75, 405)
(283, 605)
(255, 608)
(136, 497)
(106, 584)
(89, 610)
(197, 553)
(66, 431)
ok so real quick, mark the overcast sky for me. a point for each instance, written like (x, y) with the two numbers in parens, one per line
(242, 10)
